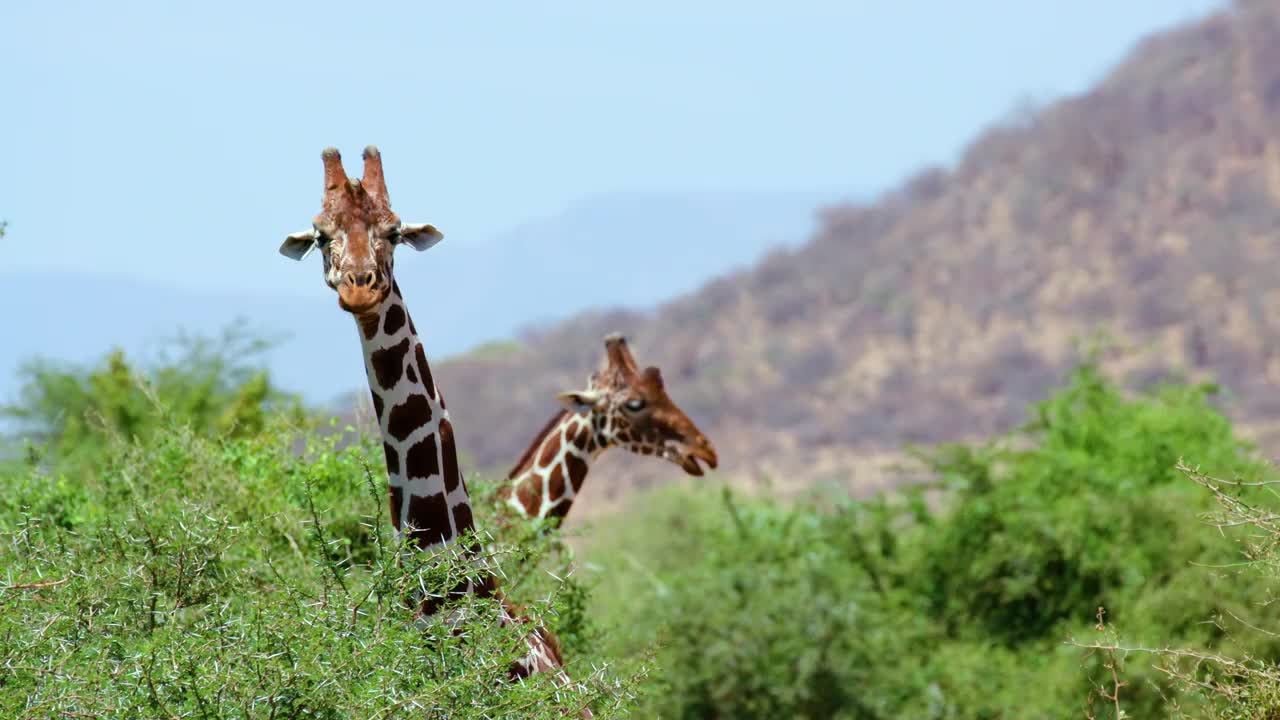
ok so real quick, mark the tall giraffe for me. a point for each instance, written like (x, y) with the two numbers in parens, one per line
(357, 233)
(621, 406)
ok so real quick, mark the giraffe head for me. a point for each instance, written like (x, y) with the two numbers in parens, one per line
(630, 408)
(356, 233)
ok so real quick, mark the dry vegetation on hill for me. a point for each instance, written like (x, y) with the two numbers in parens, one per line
(1146, 208)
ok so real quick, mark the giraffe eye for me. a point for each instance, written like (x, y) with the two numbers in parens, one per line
(635, 405)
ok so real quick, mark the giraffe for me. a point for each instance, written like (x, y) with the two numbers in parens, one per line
(357, 233)
(621, 406)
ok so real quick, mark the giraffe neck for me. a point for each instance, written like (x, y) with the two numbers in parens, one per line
(428, 496)
(549, 476)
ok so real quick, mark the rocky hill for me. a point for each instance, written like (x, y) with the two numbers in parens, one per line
(1147, 208)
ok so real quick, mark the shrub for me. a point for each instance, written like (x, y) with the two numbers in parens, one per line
(956, 608)
(69, 415)
(189, 567)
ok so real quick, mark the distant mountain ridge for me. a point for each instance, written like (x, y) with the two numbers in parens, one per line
(465, 292)
(1146, 208)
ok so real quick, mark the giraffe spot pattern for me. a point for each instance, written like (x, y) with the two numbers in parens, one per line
(550, 450)
(393, 459)
(449, 454)
(421, 460)
(430, 515)
(577, 471)
(529, 494)
(396, 497)
(559, 510)
(369, 326)
(388, 363)
(393, 320)
(582, 436)
(424, 370)
(432, 511)
(555, 483)
(408, 416)
(377, 404)
(462, 519)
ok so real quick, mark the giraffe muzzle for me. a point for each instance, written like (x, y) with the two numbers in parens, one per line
(690, 457)
(363, 297)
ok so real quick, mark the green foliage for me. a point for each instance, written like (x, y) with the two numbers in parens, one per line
(217, 568)
(70, 415)
(1092, 510)
(187, 544)
(954, 609)
(765, 612)
(1240, 681)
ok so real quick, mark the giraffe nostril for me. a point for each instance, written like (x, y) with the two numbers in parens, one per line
(360, 279)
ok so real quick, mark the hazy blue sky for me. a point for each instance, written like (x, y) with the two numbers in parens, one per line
(180, 141)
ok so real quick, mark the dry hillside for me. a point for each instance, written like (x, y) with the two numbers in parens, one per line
(1147, 207)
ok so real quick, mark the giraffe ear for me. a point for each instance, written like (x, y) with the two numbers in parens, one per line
(298, 245)
(580, 400)
(420, 237)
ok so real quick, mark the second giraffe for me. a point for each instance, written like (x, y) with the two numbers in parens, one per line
(621, 406)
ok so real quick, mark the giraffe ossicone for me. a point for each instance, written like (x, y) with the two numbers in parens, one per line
(357, 233)
(621, 406)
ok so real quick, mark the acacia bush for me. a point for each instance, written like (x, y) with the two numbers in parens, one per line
(186, 570)
(1237, 681)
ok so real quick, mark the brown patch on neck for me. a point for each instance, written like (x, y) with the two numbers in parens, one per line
(577, 472)
(526, 460)
(529, 494)
(582, 437)
(550, 448)
(396, 497)
(388, 363)
(393, 460)
(424, 370)
(408, 416)
(421, 461)
(449, 457)
(368, 324)
(462, 518)
(429, 518)
(394, 320)
(555, 483)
